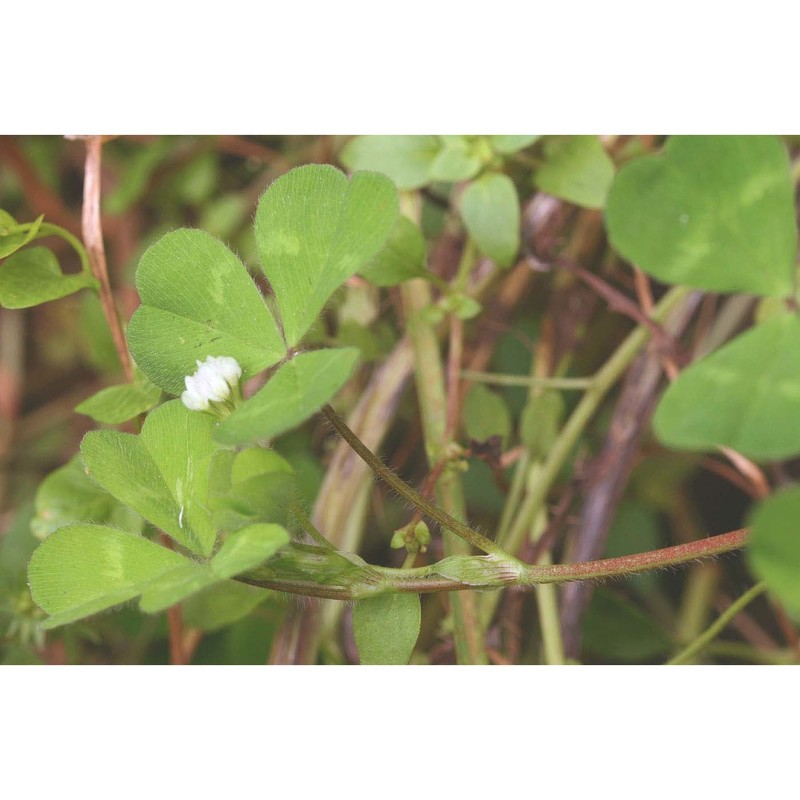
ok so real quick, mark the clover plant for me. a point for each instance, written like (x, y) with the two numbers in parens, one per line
(191, 503)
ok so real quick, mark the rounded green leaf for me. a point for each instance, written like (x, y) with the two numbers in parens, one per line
(222, 604)
(198, 301)
(711, 212)
(248, 548)
(490, 210)
(486, 414)
(82, 569)
(386, 628)
(406, 160)
(617, 629)
(296, 391)
(458, 160)
(400, 259)
(773, 551)
(117, 404)
(540, 422)
(314, 230)
(162, 473)
(175, 586)
(746, 395)
(577, 169)
(32, 276)
(507, 145)
(68, 495)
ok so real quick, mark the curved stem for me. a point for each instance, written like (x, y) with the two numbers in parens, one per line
(49, 229)
(714, 630)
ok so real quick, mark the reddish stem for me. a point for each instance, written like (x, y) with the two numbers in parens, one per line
(93, 239)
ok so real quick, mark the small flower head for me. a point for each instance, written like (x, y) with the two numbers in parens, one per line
(192, 400)
(227, 367)
(214, 386)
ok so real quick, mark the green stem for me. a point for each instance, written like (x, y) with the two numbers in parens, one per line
(438, 403)
(48, 229)
(745, 652)
(308, 526)
(527, 380)
(547, 606)
(602, 382)
(699, 590)
(468, 258)
(714, 630)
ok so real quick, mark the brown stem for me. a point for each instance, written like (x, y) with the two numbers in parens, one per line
(617, 301)
(93, 239)
(453, 376)
(179, 654)
(611, 469)
(175, 622)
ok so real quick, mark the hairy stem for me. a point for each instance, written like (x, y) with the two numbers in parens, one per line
(407, 492)
(524, 576)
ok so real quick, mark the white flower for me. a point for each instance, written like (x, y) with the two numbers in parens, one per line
(227, 367)
(213, 382)
(193, 401)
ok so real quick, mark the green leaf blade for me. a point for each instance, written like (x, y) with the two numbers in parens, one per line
(197, 301)
(314, 230)
(248, 548)
(116, 404)
(68, 496)
(456, 161)
(296, 391)
(491, 214)
(773, 551)
(577, 169)
(162, 474)
(121, 464)
(508, 145)
(386, 628)
(400, 259)
(81, 570)
(407, 160)
(32, 276)
(175, 586)
(745, 396)
(712, 212)
(486, 414)
(222, 604)
(181, 444)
